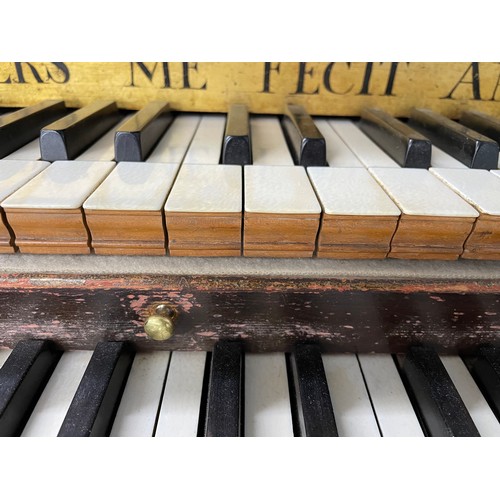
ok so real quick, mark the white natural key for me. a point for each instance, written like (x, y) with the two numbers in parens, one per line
(180, 406)
(104, 148)
(62, 185)
(267, 398)
(351, 404)
(478, 187)
(134, 186)
(269, 145)
(440, 159)
(136, 416)
(203, 211)
(173, 145)
(338, 153)
(342, 191)
(15, 173)
(4, 354)
(361, 145)
(30, 151)
(471, 395)
(53, 404)
(206, 146)
(281, 212)
(206, 188)
(435, 221)
(395, 414)
(417, 192)
(279, 191)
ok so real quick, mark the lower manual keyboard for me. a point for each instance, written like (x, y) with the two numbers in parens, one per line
(228, 392)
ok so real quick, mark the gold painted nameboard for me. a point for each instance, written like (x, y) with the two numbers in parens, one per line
(325, 88)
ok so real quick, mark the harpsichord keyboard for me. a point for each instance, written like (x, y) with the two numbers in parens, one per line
(114, 392)
(156, 183)
(103, 181)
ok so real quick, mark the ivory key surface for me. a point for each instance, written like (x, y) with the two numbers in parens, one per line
(173, 145)
(206, 145)
(281, 212)
(269, 145)
(203, 211)
(46, 213)
(480, 189)
(124, 213)
(13, 175)
(338, 153)
(361, 145)
(359, 218)
(435, 221)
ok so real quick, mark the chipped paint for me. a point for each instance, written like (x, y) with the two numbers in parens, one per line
(138, 302)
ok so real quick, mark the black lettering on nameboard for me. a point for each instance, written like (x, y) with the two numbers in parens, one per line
(303, 72)
(149, 73)
(25, 72)
(392, 78)
(186, 68)
(20, 72)
(472, 71)
(366, 79)
(327, 80)
(268, 67)
(494, 95)
(61, 73)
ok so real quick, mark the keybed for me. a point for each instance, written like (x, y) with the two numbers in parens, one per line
(194, 143)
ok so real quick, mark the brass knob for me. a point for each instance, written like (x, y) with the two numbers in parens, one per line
(160, 325)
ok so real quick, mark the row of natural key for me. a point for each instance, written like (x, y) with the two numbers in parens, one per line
(202, 185)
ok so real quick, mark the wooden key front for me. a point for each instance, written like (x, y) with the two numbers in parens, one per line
(203, 211)
(481, 189)
(281, 212)
(434, 222)
(13, 175)
(359, 219)
(46, 214)
(125, 213)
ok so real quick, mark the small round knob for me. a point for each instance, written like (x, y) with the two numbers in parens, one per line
(159, 327)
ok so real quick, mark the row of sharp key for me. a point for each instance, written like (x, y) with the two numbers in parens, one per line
(473, 141)
(436, 401)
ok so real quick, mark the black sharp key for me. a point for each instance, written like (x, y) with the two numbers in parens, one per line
(66, 138)
(314, 406)
(438, 402)
(96, 400)
(306, 143)
(137, 136)
(224, 392)
(22, 126)
(405, 145)
(471, 148)
(485, 368)
(22, 378)
(482, 123)
(237, 147)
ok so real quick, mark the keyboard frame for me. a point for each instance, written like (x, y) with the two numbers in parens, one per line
(268, 304)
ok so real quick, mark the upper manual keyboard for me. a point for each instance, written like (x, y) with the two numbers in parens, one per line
(113, 213)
